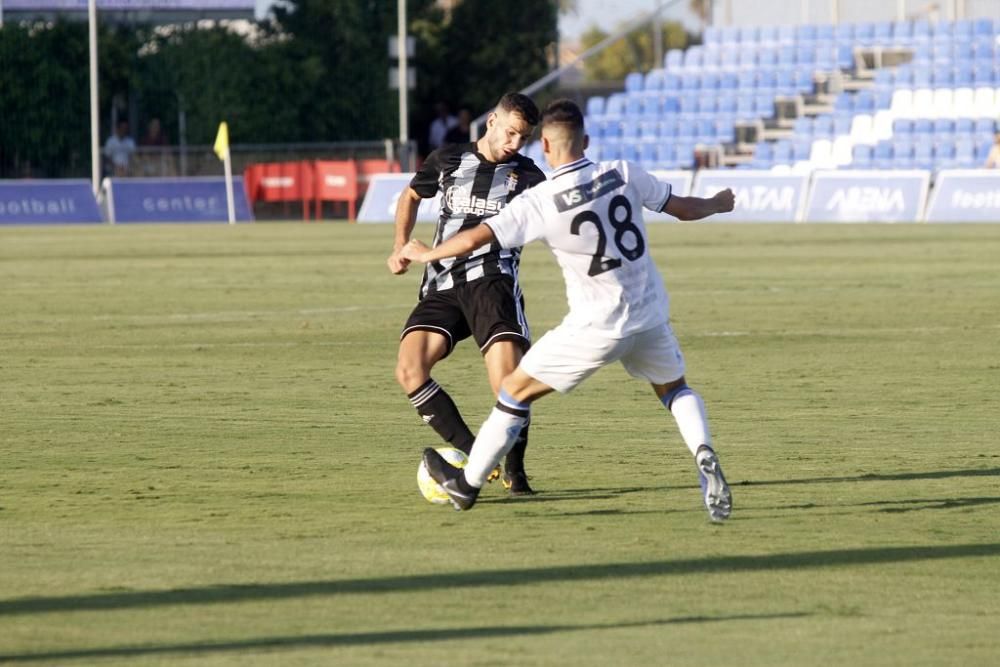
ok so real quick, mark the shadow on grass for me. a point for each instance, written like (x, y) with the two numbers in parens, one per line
(367, 638)
(872, 477)
(516, 577)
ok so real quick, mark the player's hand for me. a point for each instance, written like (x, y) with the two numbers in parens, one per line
(413, 250)
(397, 263)
(725, 201)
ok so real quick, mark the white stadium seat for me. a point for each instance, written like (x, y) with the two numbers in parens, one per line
(983, 105)
(943, 98)
(862, 131)
(882, 125)
(963, 103)
(842, 152)
(923, 103)
(902, 103)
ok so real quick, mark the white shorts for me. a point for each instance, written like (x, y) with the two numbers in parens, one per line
(566, 356)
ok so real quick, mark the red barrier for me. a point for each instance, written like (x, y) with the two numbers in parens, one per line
(337, 181)
(281, 181)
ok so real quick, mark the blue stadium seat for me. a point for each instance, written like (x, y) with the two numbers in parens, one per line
(704, 131)
(842, 123)
(923, 155)
(826, 57)
(984, 27)
(883, 98)
(726, 103)
(768, 33)
(764, 105)
(748, 34)
(747, 57)
(630, 130)
(882, 155)
(707, 105)
(786, 55)
(803, 126)
(862, 157)
(630, 151)
(725, 131)
(693, 57)
(963, 29)
(883, 32)
(668, 128)
(747, 80)
(983, 148)
(710, 81)
(649, 130)
(902, 127)
(651, 105)
(729, 57)
(844, 102)
(782, 153)
(963, 75)
(767, 78)
(729, 34)
(745, 108)
(921, 28)
(921, 77)
(805, 54)
(864, 101)
(595, 106)
(983, 49)
(804, 81)
(689, 105)
(691, 81)
(633, 106)
(801, 149)
(764, 150)
(885, 75)
(965, 153)
(963, 52)
(843, 33)
(615, 105)
(942, 76)
(923, 127)
(903, 77)
(964, 126)
(767, 57)
(902, 31)
(653, 80)
(864, 34)
(649, 155)
(671, 82)
(728, 81)
(805, 33)
(686, 129)
(786, 34)
(670, 104)
(711, 35)
(823, 127)
(633, 82)
(674, 58)
(985, 126)
(711, 58)
(944, 125)
(684, 156)
(982, 74)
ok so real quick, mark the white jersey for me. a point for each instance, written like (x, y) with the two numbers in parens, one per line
(590, 216)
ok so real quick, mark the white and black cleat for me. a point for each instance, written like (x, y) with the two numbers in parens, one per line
(718, 498)
(448, 477)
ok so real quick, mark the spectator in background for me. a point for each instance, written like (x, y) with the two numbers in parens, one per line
(461, 132)
(119, 148)
(155, 159)
(993, 158)
(154, 134)
(443, 121)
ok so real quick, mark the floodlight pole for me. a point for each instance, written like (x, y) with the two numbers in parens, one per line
(404, 113)
(95, 146)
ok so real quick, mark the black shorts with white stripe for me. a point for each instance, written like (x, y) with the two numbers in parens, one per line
(489, 309)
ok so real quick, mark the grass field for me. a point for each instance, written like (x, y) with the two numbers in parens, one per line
(205, 459)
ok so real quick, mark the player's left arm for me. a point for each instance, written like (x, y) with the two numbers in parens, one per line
(696, 208)
(460, 244)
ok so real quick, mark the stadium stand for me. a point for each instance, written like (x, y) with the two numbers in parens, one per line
(894, 95)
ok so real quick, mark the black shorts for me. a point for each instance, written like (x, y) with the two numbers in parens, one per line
(488, 309)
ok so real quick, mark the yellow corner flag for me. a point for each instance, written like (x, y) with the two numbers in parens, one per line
(222, 141)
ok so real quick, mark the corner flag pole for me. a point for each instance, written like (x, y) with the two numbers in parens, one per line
(95, 146)
(222, 150)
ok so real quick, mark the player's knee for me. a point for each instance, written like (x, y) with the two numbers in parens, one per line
(410, 373)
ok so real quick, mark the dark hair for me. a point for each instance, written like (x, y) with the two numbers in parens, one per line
(521, 105)
(563, 112)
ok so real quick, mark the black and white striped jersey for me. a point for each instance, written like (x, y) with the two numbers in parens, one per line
(472, 189)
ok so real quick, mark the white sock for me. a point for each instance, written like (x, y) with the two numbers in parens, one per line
(689, 413)
(496, 437)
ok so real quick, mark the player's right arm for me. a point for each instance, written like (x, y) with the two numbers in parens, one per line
(460, 244)
(696, 208)
(406, 218)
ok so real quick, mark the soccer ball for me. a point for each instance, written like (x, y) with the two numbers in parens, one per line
(430, 489)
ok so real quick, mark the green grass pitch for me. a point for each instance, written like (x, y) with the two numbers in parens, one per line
(205, 459)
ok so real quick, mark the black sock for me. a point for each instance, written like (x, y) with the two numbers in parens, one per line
(464, 486)
(436, 408)
(514, 462)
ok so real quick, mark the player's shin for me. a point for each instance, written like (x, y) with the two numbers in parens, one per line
(439, 411)
(688, 410)
(496, 437)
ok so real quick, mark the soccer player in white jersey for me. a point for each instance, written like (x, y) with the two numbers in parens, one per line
(590, 216)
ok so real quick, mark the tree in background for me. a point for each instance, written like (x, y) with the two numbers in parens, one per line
(632, 53)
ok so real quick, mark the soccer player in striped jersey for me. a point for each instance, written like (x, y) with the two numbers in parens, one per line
(475, 295)
(590, 216)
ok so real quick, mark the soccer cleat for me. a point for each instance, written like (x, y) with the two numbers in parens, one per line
(718, 498)
(447, 476)
(495, 475)
(517, 483)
